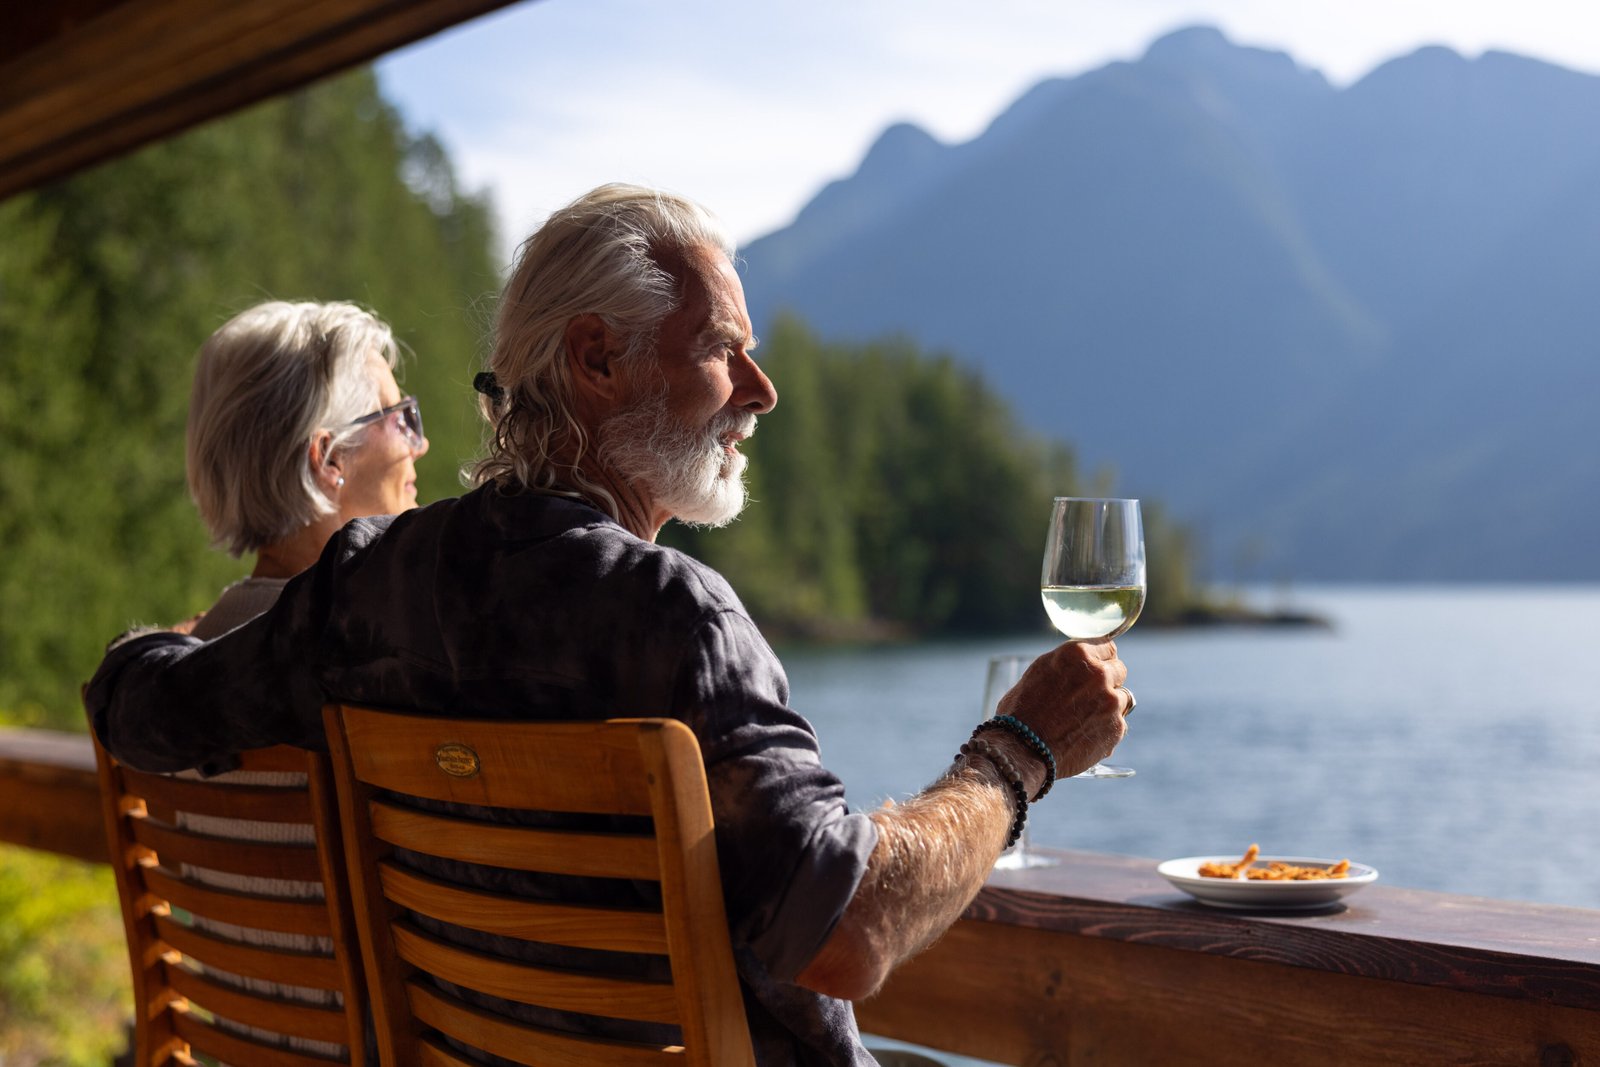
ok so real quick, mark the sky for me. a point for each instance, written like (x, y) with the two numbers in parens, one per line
(752, 106)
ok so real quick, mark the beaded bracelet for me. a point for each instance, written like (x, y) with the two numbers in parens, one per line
(1013, 778)
(1031, 739)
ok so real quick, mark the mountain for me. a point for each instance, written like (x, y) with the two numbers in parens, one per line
(1347, 332)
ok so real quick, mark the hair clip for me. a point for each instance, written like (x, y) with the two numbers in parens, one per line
(486, 383)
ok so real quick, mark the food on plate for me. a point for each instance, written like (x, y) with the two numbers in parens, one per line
(1274, 871)
(1231, 870)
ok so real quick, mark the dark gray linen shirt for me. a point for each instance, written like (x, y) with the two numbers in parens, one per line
(529, 606)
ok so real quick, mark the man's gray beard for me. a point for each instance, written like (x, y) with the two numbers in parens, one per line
(684, 469)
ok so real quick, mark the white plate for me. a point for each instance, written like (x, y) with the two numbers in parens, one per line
(1245, 893)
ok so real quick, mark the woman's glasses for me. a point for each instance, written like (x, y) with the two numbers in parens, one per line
(410, 419)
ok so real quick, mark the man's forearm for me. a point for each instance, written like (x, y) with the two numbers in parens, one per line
(167, 702)
(933, 854)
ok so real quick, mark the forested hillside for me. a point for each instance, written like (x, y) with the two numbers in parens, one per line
(108, 284)
(895, 495)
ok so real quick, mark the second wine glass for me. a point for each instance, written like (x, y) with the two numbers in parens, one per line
(1093, 583)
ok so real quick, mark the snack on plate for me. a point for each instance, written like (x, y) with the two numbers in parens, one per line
(1274, 871)
(1231, 870)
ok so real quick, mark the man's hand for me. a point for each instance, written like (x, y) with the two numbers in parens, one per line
(187, 625)
(1071, 698)
(935, 850)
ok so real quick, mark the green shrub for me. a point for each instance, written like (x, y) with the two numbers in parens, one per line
(65, 987)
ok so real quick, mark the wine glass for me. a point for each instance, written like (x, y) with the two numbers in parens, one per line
(1005, 672)
(1094, 582)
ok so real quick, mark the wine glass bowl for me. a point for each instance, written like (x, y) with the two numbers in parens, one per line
(1093, 583)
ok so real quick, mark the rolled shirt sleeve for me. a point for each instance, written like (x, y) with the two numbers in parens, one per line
(791, 852)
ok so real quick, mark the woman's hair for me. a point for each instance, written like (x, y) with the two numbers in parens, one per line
(265, 383)
(616, 252)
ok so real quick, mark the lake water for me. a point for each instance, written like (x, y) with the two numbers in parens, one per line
(1449, 736)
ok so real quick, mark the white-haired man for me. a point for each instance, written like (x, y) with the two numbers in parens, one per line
(620, 386)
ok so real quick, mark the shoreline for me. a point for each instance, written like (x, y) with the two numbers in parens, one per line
(1208, 616)
(878, 634)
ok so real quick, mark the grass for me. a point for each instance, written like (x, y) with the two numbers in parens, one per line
(65, 986)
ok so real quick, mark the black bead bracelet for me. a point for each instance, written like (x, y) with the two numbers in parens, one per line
(1013, 778)
(1029, 738)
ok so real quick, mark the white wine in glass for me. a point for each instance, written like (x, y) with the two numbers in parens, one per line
(1086, 612)
(1093, 584)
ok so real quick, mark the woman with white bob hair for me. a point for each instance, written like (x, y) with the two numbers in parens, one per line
(296, 426)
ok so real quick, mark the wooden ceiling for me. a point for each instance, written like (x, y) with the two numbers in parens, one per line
(82, 81)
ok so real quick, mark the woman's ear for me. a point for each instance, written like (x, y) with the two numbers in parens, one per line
(591, 353)
(326, 466)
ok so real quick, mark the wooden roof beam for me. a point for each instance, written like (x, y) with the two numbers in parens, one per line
(116, 75)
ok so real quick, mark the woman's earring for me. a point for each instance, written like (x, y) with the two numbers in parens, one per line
(340, 483)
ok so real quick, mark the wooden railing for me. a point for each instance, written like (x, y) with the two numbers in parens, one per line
(50, 794)
(1098, 960)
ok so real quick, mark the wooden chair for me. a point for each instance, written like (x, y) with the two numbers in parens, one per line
(205, 925)
(620, 767)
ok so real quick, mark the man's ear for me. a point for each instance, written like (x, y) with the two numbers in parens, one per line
(591, 353)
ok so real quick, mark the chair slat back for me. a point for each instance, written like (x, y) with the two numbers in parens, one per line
(237, 913)
(257, 803)
(388, 766)
(591, 855)
(611, 929)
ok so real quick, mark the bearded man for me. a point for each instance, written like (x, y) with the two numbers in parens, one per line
(619, 388)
